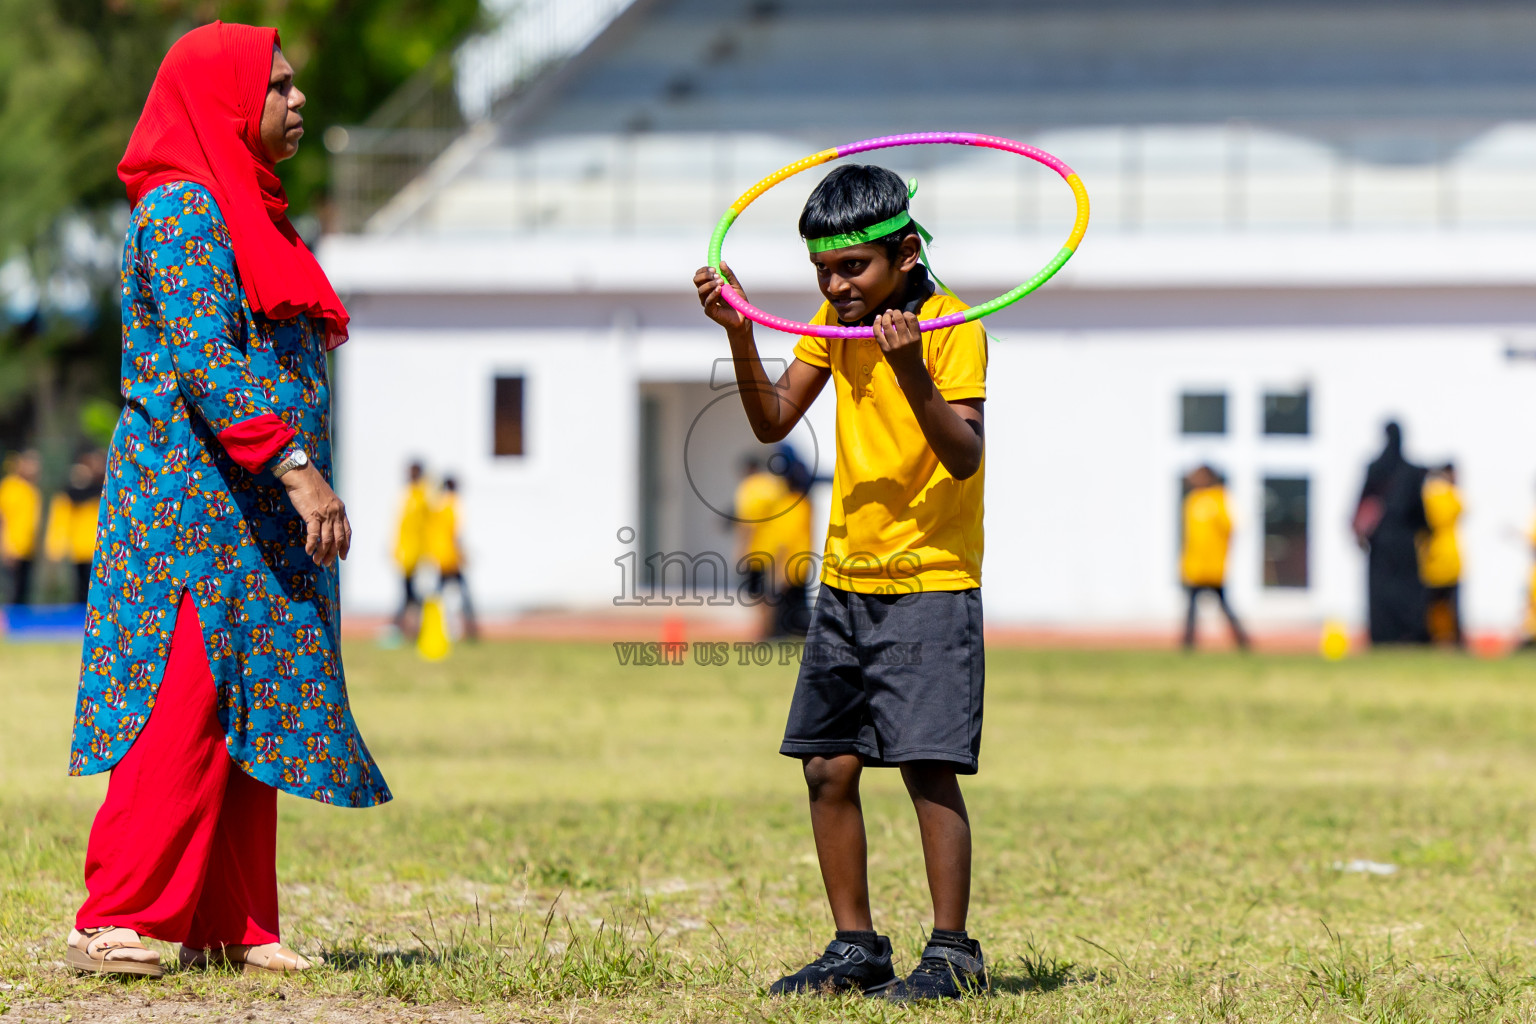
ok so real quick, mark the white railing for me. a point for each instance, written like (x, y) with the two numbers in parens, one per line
(531, 34)
(1151, 178)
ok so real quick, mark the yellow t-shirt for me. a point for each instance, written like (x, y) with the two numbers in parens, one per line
(443, 535)
(1530, 620)
(760, 502)
(1439, 552)
(21, 510)
(411, 537)
(1207, 531)
(900, 521)
(792, 534)
(71, 533)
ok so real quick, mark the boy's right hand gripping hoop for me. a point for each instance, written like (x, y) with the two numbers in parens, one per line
(734, 299)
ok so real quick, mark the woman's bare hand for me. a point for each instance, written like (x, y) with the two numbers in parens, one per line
(327, 534)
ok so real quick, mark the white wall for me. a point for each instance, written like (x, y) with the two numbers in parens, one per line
(1083, 444)
(533, 523)
(541, 530)
(1084, 453)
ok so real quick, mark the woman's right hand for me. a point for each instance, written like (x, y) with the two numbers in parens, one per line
(715, 307)
(327, 534)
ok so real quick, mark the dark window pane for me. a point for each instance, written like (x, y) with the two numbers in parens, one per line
(1285, 531)
(509, 416)
(1288, 412)
(1203, 414)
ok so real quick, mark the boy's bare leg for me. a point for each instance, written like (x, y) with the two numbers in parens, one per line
(946, 831)
(837, 821)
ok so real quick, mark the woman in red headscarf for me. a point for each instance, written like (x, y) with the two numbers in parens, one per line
(211, 674)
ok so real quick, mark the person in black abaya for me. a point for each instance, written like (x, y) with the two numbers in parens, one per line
(1389, 517)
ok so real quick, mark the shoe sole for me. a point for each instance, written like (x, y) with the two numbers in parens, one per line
(873, 990)
(968, 993)
(87, 964)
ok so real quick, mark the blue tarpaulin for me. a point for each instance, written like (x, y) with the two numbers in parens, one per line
(44, 622)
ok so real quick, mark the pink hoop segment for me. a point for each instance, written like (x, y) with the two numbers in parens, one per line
(735, 300)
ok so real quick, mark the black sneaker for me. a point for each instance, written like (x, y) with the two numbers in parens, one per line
(844, 967)
(944, 973)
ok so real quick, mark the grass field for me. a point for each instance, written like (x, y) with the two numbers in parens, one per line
(1158, 838)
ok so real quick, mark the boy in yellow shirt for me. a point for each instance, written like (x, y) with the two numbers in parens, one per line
(411, 540)
(795, 558)
(1207, 536)
(72, 520)
(444, 547)
(21, 513)
(1528, 642)
(761, 498)
(892, 671)
(1440, 556)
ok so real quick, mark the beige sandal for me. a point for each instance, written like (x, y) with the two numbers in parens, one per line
(269, 958)
(111, 950)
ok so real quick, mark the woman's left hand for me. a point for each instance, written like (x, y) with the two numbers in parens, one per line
(327, 534)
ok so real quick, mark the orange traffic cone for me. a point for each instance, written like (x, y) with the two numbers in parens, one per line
(673, 638)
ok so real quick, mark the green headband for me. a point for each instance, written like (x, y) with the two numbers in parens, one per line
(873, 232)
(869, 234)
(880, 230)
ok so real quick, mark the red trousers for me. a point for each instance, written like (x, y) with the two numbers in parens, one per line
(184, 849)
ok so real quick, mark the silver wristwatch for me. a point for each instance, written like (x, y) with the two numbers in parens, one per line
(297, 460)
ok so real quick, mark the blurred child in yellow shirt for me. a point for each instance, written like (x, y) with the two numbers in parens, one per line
(1207, 536)
(411, 539)
(761, 500)
(72, 515)
(21, 513)
(793, 534)
(443, 547)
(1440, 556)
(1529, 641)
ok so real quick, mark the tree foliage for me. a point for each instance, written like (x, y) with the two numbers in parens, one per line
(73, 78)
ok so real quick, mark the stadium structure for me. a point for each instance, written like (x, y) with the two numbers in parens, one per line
(1308, 218)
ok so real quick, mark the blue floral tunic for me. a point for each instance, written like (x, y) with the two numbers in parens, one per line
(181, 516)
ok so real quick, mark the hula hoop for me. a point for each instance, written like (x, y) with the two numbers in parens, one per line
(734, 298)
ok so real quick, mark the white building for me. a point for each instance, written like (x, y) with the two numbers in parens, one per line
(1307, 219)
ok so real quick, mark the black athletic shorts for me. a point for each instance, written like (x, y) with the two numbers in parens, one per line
(892, 678)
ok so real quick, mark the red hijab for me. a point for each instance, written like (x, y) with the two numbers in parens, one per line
(202, 123)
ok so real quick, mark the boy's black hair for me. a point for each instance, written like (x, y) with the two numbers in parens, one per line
(855, 196)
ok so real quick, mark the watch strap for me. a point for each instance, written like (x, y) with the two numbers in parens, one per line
(291, 456)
